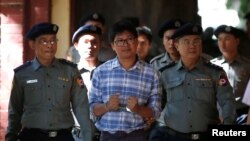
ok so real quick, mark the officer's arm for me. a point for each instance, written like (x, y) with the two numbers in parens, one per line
(80, 107)
(15, 111)
(225, 99)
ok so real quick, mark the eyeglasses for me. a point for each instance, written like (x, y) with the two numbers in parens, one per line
(121, 42)
(46, 43)
(196, 42)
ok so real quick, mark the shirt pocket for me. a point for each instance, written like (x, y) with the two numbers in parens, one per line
(175, 90)
(62, 92)
(33, 94)
(204, 91)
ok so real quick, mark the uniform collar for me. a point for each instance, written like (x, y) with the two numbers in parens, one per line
(237, 59)
(36, 64)
(198, 65)
(81, 65)
(166, 58)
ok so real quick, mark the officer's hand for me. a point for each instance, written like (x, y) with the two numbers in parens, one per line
(132, 103)
(113, 103)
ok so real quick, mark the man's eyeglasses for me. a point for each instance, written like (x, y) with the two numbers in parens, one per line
(196, 42)
(46, 43)
(121, 42)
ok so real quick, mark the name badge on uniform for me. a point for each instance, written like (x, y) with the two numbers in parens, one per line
(63, 78)
(31, 81)
(203, 79)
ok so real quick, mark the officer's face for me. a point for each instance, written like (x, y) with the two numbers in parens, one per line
(228, 44)
(45, 47)
(88, 46)
(125, 45)
(189, 47)
(143, 46)
(168, 42)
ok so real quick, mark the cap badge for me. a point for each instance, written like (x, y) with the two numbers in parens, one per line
(54, 28)
(93, 28)
(228, 29)
(177, 24)
(195, 29)
(95, 16)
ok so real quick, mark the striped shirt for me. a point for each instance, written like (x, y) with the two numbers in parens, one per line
(141, 81)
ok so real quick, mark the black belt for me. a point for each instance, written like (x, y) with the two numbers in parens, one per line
(49, 133)
(190, 136)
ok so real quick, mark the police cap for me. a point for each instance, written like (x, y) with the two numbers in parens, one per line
(92, 17)
(187, 29)
(86, 29)
(41, 29)
(144, 30)
(227, 29)
(169, 24)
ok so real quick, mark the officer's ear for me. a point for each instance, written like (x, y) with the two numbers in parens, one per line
(237, 41)
(31, 44)
(76, 45)
(112, 46)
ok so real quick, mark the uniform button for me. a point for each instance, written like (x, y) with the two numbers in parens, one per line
(190, 126)
(49, 99)
(48, 85)
(47, 74)
(188, 97)
(189, 111)
(50, 125)
(188, 83)
(50, 110)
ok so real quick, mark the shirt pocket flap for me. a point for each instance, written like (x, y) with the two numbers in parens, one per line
(174, 83)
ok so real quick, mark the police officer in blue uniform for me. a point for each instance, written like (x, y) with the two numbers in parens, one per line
(170, 55)
(87, 41)
(236, 66)
(194, 86)
(44, 91)
(163, 61)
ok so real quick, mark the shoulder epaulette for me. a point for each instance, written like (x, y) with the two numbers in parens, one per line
(167, 66)
(216, 59)
(83, 70)
(157, 57)
(209, 64)
(64, 61)
(22, 66)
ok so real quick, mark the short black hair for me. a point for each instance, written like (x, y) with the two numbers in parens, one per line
(121, 26)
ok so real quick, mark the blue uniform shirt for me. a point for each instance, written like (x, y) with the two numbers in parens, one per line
(192, 96)
(42, 97)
